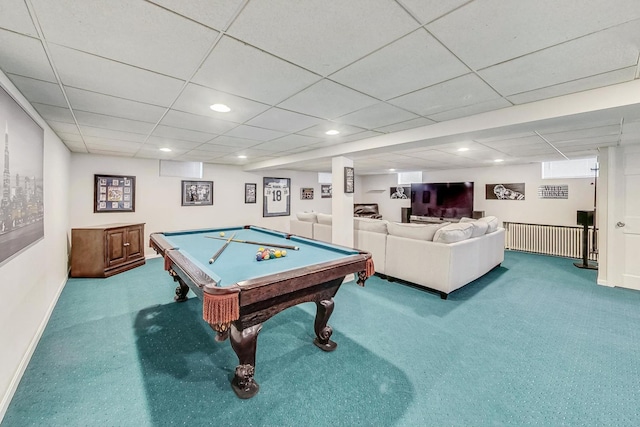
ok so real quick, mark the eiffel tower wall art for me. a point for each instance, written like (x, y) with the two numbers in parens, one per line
(21, 193)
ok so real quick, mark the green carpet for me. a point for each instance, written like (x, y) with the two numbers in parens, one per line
(534, 342)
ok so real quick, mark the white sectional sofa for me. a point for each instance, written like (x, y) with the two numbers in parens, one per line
(441, 257)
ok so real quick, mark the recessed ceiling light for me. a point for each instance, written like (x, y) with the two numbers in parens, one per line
(242, 156)
(220, 108)
(463, 149)
(166, 150)
(499, 160)
(392, 170)
(332, 132)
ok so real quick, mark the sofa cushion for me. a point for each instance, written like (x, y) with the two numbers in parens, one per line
(479, 227)
(324, 218)
(369, 224)
(414, 231)
(306, 216)
(453, 233)
(492, 221)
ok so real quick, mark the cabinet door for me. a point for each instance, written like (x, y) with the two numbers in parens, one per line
(116, 250)
(134, 243)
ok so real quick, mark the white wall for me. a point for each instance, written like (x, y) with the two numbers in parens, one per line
(32, 280)
(531, 210)
(158, 199)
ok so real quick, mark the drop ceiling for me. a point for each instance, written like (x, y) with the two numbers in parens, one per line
(407, 83)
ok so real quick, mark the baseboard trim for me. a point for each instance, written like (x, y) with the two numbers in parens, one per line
(15, 381)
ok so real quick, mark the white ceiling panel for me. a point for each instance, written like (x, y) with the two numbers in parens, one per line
(198, 100)
(114, 123)
(327, 100)
(63, 127)
(183, 134)
(288, 30)
(134, 32)
(596, 54)
(173, 144)
(252, 132)
(377, 115)
(233, 141)
(57, 114)
(14, 16)
(469, 110)
(24, 56)
(411, 63)
(89, 131)
(84, 100)
(487, 32)
(238, 68)
(319, 131)
(428, 10)
(459, 92)
(283, 120)
(409, 124)
(212, 13)
(180, 119)
(40, 91)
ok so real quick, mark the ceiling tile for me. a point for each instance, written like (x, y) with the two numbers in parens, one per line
(487, 32)
(296, 142)
(63, 127)
(195, 122)
(598, 53)
(114, 123)
(427, 11)
(470, 110)
(411, 63)
(459, 92)
(212, 13)
(288, 30)
(89, 131)
(183, 134)
(39, 91)
(57, 114)
(14, 16)
(238, 68)
(89, 72)
(198, 99)
(578, 85)
(174, 144)
(283, 120)
(377, 115)
(104, 143)
(252, 132)
(319, 131)
(233, 142)
(24, 56)
(137, 33)
(409, 124)
(83, 100)
(327, 100)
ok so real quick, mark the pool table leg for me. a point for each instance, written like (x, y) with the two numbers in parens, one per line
(181, 290)
(324, 331)
(244, 344)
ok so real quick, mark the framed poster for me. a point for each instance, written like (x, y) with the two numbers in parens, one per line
(250, 193)
(325, 191)
(349, 179)
(504, 191)
(277, 197)
(114, 193)
(399, 192)
(306, 193)
(22, 204)
(197, 193)
(553, 191)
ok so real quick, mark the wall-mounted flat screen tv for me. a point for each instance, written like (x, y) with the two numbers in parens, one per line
(442, 199)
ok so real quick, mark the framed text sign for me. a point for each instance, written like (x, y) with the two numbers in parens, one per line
(114, 193)
(277, 196)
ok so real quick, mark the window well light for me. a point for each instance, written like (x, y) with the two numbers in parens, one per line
(165, 149)
(220, 108)
(332, 132)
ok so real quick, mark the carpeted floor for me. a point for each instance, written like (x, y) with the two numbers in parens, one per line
(534, 342)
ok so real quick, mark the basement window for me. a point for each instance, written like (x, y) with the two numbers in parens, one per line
(580, 168)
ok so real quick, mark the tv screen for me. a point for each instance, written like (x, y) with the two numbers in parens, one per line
(442, 200)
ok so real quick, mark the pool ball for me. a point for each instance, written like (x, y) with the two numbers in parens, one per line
(278, 254)
(283, 253)
(222, 234)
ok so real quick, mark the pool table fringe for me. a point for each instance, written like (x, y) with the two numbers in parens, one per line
(220, 310)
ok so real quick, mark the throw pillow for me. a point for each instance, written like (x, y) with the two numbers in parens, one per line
(414, 231)
(492, 221)
(324, 218)
(454, 233)
(306, 216)
(479, 227)
(368, 224)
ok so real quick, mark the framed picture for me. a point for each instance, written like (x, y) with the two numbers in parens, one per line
(197, 193)
(349, 179)
(325, 191)
(22, 206)
(504, 191)
(399, 192)
(114, 193)
(277, 196)
(306, 193)
(250, 193)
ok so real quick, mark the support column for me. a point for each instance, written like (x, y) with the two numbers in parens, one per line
(341, 204)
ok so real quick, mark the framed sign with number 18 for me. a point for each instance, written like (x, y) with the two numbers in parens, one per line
(277, 197)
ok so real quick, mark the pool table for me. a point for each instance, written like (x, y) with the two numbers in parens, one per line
(239, 292)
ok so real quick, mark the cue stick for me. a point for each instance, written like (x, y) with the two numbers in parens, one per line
(275, 245)
(217, 254)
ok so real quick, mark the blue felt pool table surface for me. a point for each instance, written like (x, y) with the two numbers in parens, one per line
(238, 261)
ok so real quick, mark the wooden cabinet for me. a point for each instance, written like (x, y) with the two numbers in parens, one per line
(105, 250)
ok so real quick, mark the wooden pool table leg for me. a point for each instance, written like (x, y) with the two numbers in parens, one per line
(181, 290)
(244, 344)
(324, 331)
